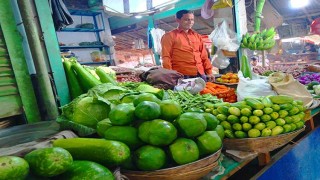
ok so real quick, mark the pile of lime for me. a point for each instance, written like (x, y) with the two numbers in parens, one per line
(260, 117)
(159, 134)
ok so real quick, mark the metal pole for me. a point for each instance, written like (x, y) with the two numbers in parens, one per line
(46, 98)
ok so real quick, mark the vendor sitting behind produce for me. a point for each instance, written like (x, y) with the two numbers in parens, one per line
(183, 49)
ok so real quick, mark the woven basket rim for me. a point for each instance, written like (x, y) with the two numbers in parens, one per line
(181, 166)
(270, 137)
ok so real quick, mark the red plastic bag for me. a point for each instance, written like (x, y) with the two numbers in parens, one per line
(315, 26)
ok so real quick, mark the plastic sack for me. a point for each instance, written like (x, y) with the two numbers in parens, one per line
(285, 84)
(222, 4)
(156, 35)
(224, 38)
(193, 85)
(255, 87)
(206, 11)
(220, 61)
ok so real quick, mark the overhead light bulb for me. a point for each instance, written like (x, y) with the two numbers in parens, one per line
(299, 3)
(138, 16)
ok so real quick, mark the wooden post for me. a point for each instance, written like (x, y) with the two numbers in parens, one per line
(263, 59)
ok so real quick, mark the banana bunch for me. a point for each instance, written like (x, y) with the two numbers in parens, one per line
(259, 41)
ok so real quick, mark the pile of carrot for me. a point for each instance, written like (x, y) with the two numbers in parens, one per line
(221, 91)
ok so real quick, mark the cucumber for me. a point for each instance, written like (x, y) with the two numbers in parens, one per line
(281, 99)
(104, 77)
(73, 84)
(266, 102)
(86, 79)
(254, 103)
(106, 152)
(86, 170)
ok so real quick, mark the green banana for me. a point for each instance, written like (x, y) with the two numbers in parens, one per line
(244, 40)
(269, 32)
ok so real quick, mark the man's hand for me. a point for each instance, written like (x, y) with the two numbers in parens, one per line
(210, 78)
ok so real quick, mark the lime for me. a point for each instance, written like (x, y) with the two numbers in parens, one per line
(122, 114)
(208, 110)
(265, 118)
(208, 142)
(246, 112)
(258, 112)
(299, 102)
(280, 122)
(274, 115)
(275, 107)
(301, 108)
(287, 128)
(221, 117)
(145, 97)
(212, 121)
(293, 126)
(147, 110)
(233, 119)
(276, 130)
(237, 127)
(267, 110)
(191, 124)
(149, 158)
(246, 126)
(283, 113)
(288, 119)
(253, 133)
(301, 115)
(170, 110)
(220, 131)
(234, 111)
(229, 134)
(266, 132)
(271, 124)
(260, 126)
(254, 119)
(293, 111)
(215, 112)
(240, 134)
(295, 118)
(226, 125)
(157, 132)
(299, 124)
(184, 151)
(244, 119)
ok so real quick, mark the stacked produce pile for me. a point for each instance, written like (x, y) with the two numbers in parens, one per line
(228, 78)
(266, 116)
(221, 91)
(312, 83)
(126, 74)
(295, 70)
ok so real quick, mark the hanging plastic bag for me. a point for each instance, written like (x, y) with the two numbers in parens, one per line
(224, 38)
(220, 61)
(206, 11)
(255, 87)
(156, 39)
(222, 4)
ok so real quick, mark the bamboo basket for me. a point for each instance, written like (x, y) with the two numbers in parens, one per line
(191, 171)
(261, 144)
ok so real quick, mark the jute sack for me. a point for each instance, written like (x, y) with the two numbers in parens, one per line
(285, 84)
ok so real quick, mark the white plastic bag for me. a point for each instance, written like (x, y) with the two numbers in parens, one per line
(255, 87)
(193, 85)
(220, 61)
(224, 38)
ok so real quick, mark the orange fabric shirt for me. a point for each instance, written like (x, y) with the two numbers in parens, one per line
(185, 53)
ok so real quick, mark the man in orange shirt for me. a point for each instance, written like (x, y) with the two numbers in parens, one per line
(183, 49)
